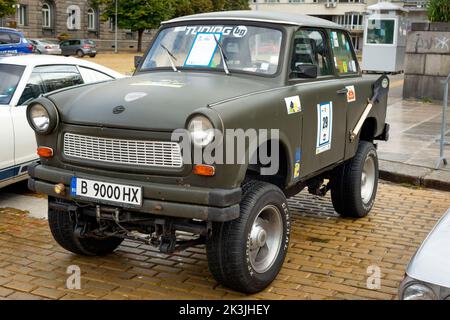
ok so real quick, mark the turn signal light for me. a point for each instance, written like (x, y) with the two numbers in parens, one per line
(45, 152)
(204, 170)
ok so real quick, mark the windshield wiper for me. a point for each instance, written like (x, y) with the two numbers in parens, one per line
(171, 57)
(224, 57)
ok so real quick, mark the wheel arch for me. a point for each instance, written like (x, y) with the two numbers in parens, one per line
(282, 178)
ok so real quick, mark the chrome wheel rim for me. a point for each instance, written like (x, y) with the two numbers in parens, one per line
(265, 238)
(368, 179)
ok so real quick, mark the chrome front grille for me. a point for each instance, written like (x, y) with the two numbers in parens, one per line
(127, 152)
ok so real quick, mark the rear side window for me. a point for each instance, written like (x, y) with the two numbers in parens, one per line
(4, 38)
(34, 88)
(49, 78)
(343, 55)
(59, 77)
(91, 76)
(14, 38)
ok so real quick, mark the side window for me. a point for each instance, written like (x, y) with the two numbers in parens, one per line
(380, 31)
(343, 55)
(310, 47)
(4, 38)
(33, 89)
(64, 43)
(91, 76)
(59, 77)
(15, 38)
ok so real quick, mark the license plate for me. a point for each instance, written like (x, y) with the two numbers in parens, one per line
(107, 192)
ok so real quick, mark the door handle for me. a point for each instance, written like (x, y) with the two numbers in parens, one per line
(342, 91)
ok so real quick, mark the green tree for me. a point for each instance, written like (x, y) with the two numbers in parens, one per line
(236, 5)
(6, 7)
(439, 10)
(138, 15)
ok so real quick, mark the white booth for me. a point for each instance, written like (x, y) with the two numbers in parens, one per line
(384, 38)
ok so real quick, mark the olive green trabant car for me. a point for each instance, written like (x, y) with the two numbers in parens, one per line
(119, 160)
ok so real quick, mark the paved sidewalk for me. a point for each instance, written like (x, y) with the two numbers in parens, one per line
(328, 256)
(411, 153)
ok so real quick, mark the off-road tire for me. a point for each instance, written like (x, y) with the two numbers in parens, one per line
(80, 53)
(228, 247)
(346, 183)
(62, 228)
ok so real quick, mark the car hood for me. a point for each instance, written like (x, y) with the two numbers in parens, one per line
(432, 261)
(157, 101)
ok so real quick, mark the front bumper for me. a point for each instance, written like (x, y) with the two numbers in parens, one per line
(178, 201)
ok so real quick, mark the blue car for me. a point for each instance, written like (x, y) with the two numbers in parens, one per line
(13, 42)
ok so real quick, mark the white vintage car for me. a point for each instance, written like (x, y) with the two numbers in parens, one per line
(23, 78)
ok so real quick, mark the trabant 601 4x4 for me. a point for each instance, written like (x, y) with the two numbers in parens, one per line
(228, 114)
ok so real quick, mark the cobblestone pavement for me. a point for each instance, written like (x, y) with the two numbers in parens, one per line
(328, 256)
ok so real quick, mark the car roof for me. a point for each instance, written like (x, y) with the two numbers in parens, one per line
(4, 29)
(261, 16)
(37, 60)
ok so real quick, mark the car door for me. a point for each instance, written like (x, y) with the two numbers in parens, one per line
(64, 48)
(42, 80)
(10, 75)
(74, 46)
(323, 112)
(6, 143)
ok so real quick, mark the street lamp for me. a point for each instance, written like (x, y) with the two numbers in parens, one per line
(17, 7)
(115, 28)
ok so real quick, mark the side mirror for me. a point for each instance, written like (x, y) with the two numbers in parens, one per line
(306, 71)
(137, 61)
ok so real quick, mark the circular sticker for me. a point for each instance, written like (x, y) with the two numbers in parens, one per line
(240, 31)
(385, 83)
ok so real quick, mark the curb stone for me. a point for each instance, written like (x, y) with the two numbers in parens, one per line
(415, 175)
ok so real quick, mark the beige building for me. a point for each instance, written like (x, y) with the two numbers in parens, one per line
(349, 13)
(77, 18)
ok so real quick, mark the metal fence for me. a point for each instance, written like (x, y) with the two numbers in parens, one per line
(444, 143)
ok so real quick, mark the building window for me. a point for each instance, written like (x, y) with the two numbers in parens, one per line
(91, 19)
(111, 24)
(22, 15)
(46, 16)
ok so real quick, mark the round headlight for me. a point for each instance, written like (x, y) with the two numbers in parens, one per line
(40, 118)
(201, 130)
(418, 291)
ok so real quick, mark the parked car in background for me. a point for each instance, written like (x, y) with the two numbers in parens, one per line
(78, 47)
(427, 276)
(24, 78)
(43, 46)
(13, 42)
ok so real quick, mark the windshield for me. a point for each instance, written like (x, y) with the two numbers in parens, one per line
(9, 79)
(245, 48)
